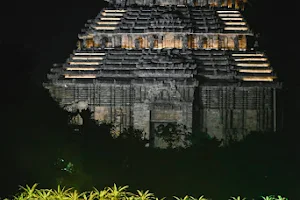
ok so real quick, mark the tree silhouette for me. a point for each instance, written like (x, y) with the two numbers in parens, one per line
(175, 135)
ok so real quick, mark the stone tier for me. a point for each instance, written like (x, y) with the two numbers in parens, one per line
(169, 64)
(238, 4)
(166, 19)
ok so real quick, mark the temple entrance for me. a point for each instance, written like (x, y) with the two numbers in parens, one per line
(162, 114)
(155, 128)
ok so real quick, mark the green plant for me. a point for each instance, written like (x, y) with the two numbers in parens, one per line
(73, 195)
(108, 193)
(272, 197)
(20, 197)
(101, 195)
(28, 192)
(116, 193)
(200, 198)
(184, 198)
(268, 197)
(237, 198)
(173, 134)
(281, 198)
(91, 195)
(144, 195)
(44, 194)
(61, 193)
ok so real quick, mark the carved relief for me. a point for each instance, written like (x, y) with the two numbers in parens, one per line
(118, 126)
(101, 113)
(89, 43)
(139, 43)
(242, 42)
(165, 115)
(163, 93)
(168, 41)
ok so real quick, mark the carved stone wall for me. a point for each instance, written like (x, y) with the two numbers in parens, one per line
(136, 105)
(169, 40)
(226, 111)
(141, 117)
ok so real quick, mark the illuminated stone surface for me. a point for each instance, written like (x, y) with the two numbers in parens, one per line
(154, 64)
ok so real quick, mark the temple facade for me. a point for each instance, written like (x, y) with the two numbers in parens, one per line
(143, 63)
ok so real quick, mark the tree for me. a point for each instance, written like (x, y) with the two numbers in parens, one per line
(200, 139)
(175, 135)
(134, 137)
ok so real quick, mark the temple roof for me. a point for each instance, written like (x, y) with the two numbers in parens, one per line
(112, 64)
(212, 3)
(167, 19)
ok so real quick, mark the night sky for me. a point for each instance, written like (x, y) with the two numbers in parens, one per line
(33, 36)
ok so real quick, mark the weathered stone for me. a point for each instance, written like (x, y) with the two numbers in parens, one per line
(151, 65)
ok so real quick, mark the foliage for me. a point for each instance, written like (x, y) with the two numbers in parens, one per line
(237, 198)
(133, 137)
(108, 193)
(199, 139)
(144, 195)
(272, 197)
(175, 135)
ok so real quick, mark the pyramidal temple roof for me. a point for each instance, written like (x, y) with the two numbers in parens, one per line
(143, 63)
(180, 41)
(175, 19)
(213, 3)
(114, 64)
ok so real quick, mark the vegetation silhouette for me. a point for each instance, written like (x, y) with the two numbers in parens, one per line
(261, 164)
(98, 160)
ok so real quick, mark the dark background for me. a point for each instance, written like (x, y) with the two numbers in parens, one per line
(34, 35)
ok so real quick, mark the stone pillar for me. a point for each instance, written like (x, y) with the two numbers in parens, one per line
(236, 43)
(112, 41)
(130, 41)
(184, 42)
(229, 2)
(160, 41)
(220, 42)
(242, 42)
(237, 4)
(151, 41)
(215, 42)
(137, 44)
(200, 42)
(78, 45)
(123, 41)
(180, 39)
(230, 43)
(141, 118)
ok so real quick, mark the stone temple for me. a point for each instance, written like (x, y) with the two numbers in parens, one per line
(143, 63)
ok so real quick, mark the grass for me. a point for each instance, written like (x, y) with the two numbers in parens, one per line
(109, 193)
